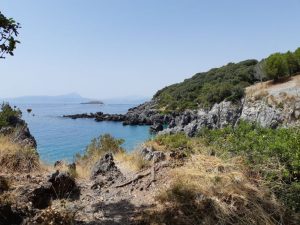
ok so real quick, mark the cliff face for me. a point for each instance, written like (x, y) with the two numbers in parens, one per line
(268, 104)
(19, 133)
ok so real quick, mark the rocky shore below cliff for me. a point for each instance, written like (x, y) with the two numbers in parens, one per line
(285, 111)
(144, 114)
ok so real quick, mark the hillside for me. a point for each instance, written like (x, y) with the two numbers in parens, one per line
(227, 82)
(205, 89)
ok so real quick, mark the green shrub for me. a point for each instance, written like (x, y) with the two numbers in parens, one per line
(9, 116)
(101, 145)
(273, 153)
(178, 141)
(276, 66)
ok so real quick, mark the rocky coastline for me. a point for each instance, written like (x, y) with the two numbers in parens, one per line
(261, 111)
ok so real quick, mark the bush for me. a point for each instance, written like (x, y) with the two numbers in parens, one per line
(9, 116)
(178, 141)
(97, 148)
(276, 66)
(274, 154)
(101, 145)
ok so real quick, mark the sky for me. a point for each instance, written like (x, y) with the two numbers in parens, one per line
(117, 48)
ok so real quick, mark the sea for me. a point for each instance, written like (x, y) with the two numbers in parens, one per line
(61, 138)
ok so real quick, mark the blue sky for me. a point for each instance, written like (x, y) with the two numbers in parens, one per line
(117, 48)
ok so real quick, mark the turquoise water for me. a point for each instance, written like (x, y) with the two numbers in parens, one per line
(61, 138)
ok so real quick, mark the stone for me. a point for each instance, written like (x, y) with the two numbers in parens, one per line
(3, 185)
(105, 165)
(105, 172)
(63, 185)
(41, 196)
(156, 127)
(148, 153)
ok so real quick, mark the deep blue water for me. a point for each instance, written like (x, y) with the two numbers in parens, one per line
(61, 138)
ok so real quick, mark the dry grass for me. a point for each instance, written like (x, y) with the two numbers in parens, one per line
(133, 161)
(56, 214)
(83, 170)
(208, 190)
(16, 158)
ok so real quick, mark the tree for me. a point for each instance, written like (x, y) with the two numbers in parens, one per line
(292, 63)
(8, 33)
(9, 116)
(276, 66)
(297, 56)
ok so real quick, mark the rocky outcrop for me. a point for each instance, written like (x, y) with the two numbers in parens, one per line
(191, 121)
(105, 172)
(99, 116)
(261, 113)
(60, 185)
(144, 114)
(149, 154)
(156, 127)
(228, 113)
(220, 115)
(20, 134)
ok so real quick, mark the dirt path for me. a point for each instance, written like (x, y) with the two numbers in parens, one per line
(119, 205)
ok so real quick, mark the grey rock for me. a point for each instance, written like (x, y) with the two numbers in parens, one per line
(156, 127)
(41, 196)
(105, 172)
(150, 154)
(3, 184)
(63, 185)
(104, 166)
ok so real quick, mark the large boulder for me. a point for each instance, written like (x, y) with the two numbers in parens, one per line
(105, 172)
(63, 185)
(156, 127)
(105, 166)
(149, 154)
(41, 196)
(60, 185)
(261, 113)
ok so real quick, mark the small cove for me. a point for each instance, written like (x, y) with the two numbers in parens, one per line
(61, 138)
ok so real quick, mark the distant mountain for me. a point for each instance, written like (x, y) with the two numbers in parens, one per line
(68, 98)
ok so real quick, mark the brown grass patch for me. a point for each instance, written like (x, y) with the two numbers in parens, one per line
(208, 190)
(133, 161)
(16, 158)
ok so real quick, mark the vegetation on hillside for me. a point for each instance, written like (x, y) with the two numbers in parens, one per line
(242, 175)
(226, 83)
(9, 116)
(8, 33)
(282, 64)
(205, 89)
(273, 154)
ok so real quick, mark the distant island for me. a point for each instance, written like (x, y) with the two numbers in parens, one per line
(94, 102)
